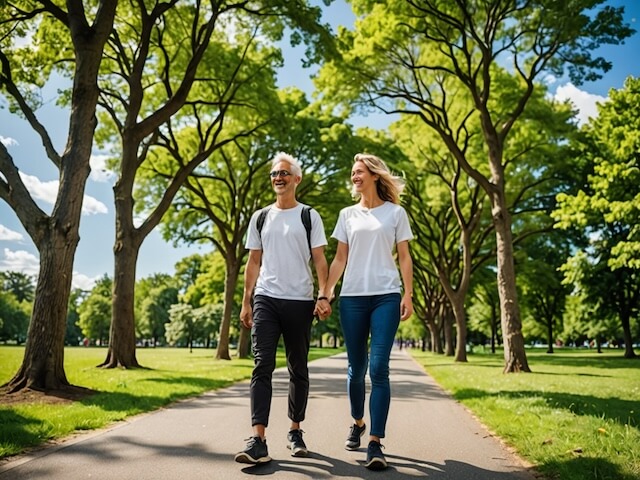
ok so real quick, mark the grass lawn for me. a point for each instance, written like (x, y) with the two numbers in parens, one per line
(171, 374)
(576, 417)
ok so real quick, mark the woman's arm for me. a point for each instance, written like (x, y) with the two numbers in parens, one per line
(406, 271)
(336, 269)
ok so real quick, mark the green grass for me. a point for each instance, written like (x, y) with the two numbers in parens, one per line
(170, 375)
(576, 417)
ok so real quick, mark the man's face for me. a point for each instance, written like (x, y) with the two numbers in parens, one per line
(283, 179)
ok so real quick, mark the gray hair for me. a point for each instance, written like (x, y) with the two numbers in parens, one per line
(290, 159)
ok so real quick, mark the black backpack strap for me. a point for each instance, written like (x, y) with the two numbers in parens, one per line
(306, 221)
(260, 220)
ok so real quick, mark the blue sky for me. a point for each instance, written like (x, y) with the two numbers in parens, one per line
(94, 256)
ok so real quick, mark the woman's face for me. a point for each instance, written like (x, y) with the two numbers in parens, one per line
(362, 178)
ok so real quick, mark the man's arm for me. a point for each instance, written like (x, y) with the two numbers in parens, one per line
(251, 271)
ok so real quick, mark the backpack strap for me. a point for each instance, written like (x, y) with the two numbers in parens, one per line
(305, 215)
(261, 218)
(306, 221)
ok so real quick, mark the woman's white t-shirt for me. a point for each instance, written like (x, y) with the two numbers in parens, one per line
(285, 271)
(372, 235)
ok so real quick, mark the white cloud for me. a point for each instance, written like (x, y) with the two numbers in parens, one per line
(584, 102)
(9, 235)
(48, 191)
(8, 141)
(25, 262)
(83, 282)
(99, 171)
(20, 261)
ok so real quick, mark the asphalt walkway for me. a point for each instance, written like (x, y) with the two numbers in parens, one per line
(429, 435)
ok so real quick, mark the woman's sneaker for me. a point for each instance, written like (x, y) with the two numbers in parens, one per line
(256, 452)
(375, 458)
(296, 443)
(353, 440)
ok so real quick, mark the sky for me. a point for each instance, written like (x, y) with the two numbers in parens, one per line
(94, 257)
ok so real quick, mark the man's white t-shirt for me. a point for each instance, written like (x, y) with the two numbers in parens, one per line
(372, 235)
(285, 271)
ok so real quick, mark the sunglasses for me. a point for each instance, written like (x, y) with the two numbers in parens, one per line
(279, 173)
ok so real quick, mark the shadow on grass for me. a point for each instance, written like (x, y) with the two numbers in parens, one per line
(584, 468)
(15, 431)
(614, 409)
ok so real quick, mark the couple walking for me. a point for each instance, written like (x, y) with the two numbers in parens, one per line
(279, 297)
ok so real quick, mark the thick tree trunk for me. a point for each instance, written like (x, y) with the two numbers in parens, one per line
(515, 358)
(57, 237)
(230, 281)
(122, 338)
(43, 364)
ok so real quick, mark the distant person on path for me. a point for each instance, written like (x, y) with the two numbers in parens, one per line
(278, 300)
(372, 298)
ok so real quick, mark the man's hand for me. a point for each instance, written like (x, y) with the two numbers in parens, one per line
(246, 316)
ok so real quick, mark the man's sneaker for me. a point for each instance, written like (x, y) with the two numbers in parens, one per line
(375, 458)
(296, 443)
(256, 452)
(353, 440)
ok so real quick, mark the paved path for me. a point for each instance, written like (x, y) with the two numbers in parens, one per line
(429, 435)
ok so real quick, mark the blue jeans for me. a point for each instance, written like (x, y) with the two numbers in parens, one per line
(378, 316)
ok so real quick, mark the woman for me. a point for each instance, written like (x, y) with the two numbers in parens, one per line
(371, 298)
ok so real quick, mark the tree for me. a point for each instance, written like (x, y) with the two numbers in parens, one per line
(188, 61)
(154, 297)
(182, 325)
(20, 284)
(14, 318)
(94, 313)
(73, 333)
(416, 58)
(607, 208)
(79, 40)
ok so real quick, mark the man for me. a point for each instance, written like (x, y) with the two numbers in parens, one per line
(278, 301)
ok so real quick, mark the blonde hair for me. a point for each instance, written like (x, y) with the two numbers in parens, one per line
(388, 186)
(290, 159)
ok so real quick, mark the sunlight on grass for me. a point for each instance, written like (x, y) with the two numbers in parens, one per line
(576, 416)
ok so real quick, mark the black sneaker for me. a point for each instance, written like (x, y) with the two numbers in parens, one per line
(353, 440)
(256, 452)
(375, 458)
(296, 443)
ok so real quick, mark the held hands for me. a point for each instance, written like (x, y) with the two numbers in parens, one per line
(323, 308)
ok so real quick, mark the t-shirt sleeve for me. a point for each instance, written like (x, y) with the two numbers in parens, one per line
(318, 235)
(340, 231)
(403, 229)
(253, 238)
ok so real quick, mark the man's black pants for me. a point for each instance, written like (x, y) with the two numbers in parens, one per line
(291, 319)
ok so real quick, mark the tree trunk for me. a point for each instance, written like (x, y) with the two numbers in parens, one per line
(122, 338)
(515, 358)
(230, 281)
(448, 333)
(550, 334)
(461, 328)
(43, 364)
(628, 338)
